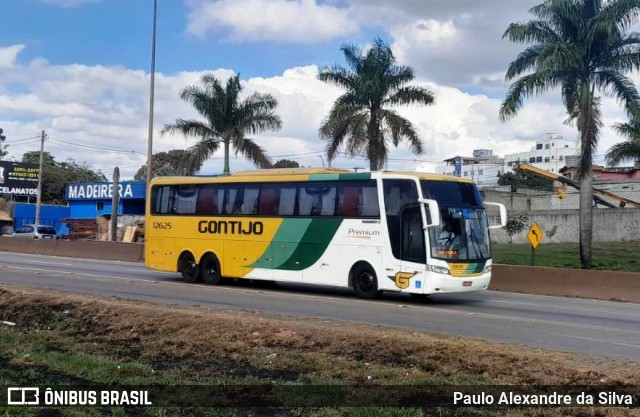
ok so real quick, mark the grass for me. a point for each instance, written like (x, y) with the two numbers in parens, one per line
(63, 339)
(612, 256)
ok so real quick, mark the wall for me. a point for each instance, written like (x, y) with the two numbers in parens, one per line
(50, 215)
(601, 285)
(609, 225)
(112, 251)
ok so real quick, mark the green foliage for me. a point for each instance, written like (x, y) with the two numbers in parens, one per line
(362, 120)
(582, 48)
(629, 150)
(227, 121)
(286, 163)
(56, 175)
(521, 179)
(514, 226)
(174, 162)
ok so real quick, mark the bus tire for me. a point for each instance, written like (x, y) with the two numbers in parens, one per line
(189, 268)
(210, 269)
(365, 282)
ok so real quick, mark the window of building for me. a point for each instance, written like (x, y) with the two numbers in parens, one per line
(546, 146)
(532, 159)
(561, 158)
(480, 172)
(546, 159)
(99, 205)
(538, 159)
(509, 163)
(566, 146)
(466, 173)
(539, 146)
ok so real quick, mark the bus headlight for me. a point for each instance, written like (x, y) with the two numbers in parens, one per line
(486, 269)
(438, 269)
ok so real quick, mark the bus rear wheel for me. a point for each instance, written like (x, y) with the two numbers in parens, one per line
(189, 268)
(210, 269)
(365, 283)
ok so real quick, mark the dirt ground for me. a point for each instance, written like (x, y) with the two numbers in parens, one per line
(285, 348)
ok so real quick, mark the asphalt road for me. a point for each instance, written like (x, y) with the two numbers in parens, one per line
(603, 328)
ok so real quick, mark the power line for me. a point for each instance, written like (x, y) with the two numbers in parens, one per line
(94, 148)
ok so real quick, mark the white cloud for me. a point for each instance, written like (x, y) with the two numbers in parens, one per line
(297, 21)
(68, 3)
(9, 54)
(99, 114)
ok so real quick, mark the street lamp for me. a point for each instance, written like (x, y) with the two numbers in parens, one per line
(151, 93)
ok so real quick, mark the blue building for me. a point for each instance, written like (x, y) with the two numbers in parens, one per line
(91, 200)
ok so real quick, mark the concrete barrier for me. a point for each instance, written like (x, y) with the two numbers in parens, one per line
(111, 251)
(602, 285)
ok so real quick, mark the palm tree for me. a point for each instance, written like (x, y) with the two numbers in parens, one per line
(227, 121)
(583, 47)
(626, 150)
(361, 119)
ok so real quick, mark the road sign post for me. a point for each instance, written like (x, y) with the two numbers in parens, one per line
(534, 236)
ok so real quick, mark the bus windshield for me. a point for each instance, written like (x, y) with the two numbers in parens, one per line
(463, 232)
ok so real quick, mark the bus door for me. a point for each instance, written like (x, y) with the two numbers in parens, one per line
(406, 234)
(412, 248)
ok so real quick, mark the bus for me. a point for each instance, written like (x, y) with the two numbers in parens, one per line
(410, 232)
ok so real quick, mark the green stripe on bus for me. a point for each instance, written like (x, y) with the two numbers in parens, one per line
(475, 268)
(356, 176)
(324, 177)
(284, 243)
(313, 244)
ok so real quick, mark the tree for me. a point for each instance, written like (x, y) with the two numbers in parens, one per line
(361, 120)
(583, 47)
(521, 179)
(626, 150)
(227, 121)
(286, 163)
(174, 162)
(56, 175)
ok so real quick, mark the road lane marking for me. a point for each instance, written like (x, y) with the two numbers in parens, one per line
(51, 263)
(427, 309)
(591, 339)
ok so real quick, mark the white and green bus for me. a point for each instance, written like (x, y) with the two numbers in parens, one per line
(381, 231)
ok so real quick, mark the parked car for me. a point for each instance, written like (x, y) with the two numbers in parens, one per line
(36, 232)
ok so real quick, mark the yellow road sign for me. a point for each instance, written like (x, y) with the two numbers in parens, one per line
(534, 235)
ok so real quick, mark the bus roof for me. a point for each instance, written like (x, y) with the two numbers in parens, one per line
(304, 174)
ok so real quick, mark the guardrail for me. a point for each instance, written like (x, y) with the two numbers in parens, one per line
(111, 251)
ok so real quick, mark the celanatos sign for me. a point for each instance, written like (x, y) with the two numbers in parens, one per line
(104, 191)
(17, 178)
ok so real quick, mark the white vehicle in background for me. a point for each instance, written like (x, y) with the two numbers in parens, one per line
(32, 231)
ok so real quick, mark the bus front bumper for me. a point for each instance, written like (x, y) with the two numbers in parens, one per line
(440, 283)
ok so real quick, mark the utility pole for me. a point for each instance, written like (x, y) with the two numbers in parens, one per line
(115, 201)
(39, 195)
(152, 93)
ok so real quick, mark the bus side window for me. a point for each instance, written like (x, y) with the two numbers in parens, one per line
(185, 199)
(287, 204)
(268, 200)
(233, 199)
(250, 200)
(162, 199)
(370, 205)
(206, 204)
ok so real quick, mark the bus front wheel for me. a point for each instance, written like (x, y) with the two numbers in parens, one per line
(189, 268)
(365, 282)
(210, 269)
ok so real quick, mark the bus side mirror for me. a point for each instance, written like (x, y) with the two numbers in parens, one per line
(433, 219)
(503, 215)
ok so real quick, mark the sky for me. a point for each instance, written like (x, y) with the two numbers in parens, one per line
(80, 71)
